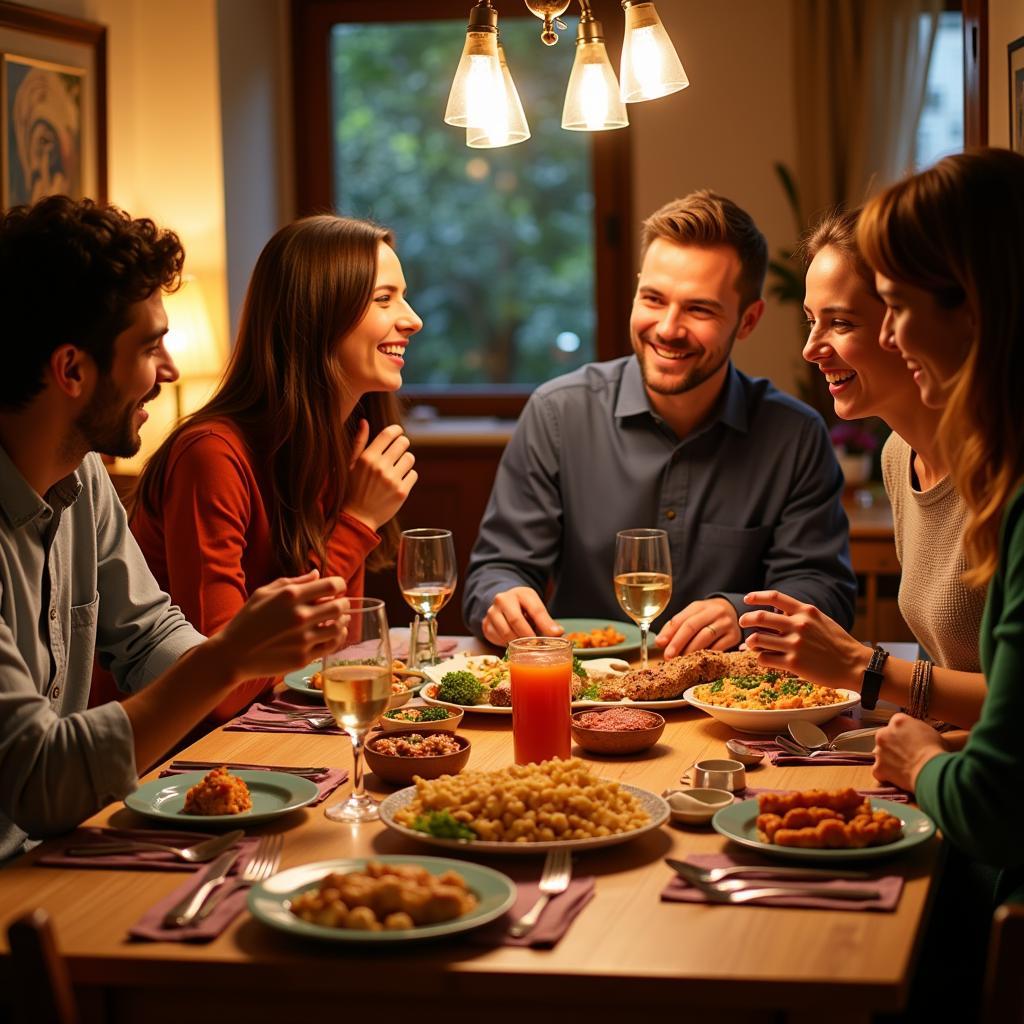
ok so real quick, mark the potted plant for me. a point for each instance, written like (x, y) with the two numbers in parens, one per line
(855, 446)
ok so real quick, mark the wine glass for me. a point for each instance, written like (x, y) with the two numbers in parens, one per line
(357, 688)
(643, 578)
(426, 577)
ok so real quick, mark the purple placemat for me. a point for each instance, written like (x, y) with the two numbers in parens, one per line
(326, 782)
(268, 718)
(555, 919)
(783, 759)
(150, 860)
(889, 888)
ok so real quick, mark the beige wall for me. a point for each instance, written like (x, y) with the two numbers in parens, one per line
(1006, 23)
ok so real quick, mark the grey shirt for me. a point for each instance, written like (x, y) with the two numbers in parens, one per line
(72, 582)
(750, 499)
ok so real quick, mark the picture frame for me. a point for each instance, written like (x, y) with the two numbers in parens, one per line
(1015, 61)
(53, 106)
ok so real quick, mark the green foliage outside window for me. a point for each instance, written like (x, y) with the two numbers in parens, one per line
(496, 244)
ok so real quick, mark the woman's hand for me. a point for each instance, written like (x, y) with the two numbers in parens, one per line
(284, 625)
(381, 475)
(903, 748)
(804, 640)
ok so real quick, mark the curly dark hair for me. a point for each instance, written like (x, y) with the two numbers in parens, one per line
(70, 270)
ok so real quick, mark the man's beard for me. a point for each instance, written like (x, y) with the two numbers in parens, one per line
(688, 381)
(106, 424)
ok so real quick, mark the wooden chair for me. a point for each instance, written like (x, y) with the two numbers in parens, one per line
(43, 994)
(1003, 998)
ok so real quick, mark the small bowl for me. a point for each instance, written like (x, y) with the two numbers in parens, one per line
(396, 700)
(696, 806)
(616, 741)
(719, 773)
(400, 770)
(449, 724)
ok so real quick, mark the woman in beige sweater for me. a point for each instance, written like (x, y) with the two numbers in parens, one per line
(869, 378)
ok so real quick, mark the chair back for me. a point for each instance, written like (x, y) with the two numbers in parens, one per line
(1003, 999)
(43, 994)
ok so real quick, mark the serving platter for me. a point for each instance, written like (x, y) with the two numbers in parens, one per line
(738, 822)
(270, 901)
(655, 806)
(773, 722)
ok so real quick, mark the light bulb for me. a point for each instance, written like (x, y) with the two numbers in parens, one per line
(477, 97)
(650, 66)
(592, 101)
(507, 127)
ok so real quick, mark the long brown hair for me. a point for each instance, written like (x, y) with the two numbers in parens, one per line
(956, 231)
(281, 388)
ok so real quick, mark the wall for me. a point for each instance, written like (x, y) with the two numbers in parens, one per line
(1006, 23)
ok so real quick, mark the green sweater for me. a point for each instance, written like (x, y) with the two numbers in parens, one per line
(976, 796)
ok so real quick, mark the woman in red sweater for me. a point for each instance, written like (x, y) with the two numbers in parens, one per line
(299, 459)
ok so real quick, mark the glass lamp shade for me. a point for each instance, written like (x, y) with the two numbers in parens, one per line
(477, 99)
(650, 66)
(511, 126)
(190, 339)
(592, 100)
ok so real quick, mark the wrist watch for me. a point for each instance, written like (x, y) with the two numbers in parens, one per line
(871, 682)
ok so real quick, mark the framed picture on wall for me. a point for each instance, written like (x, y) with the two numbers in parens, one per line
(53, 106)
(1016, 61)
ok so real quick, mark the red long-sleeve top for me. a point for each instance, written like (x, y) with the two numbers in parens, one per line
(210, 547)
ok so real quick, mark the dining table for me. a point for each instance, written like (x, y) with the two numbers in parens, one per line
(627, 953)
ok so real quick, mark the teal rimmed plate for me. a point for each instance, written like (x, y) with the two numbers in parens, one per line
(627, 629)
(270, 901)
(739, 823)
(272, 793)
(299, 680)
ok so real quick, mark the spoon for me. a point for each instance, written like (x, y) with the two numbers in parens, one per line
(811, 738)
(744, 754)
(808, 735)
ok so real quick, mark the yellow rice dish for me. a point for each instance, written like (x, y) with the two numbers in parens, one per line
(768, 692)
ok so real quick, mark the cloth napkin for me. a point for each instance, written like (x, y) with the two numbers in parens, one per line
(327, 782)
(893, 793)
(154, 860)
(268, 718)
(889, 886)
(150, 926)
(555, 919)
(783, 759)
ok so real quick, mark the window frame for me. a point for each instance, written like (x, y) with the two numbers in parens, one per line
(614, 269)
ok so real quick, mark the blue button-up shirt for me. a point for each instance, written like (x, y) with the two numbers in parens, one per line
(750, 499)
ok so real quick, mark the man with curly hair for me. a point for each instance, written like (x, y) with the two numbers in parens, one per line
(83, 346)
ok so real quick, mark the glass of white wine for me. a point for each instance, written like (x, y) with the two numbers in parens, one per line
(357, 688)
(426, 576)
(643, 578)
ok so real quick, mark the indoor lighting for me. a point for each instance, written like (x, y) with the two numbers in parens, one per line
(484, 99)
(190, 339)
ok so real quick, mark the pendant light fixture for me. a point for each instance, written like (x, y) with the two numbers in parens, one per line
(484, 99)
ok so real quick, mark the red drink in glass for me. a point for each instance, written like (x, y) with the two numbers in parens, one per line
(541, 676)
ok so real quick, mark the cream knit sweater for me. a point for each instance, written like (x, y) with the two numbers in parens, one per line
(941, 612)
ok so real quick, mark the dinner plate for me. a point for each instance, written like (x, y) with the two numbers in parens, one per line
(273, 794)
(269, 901)
(609, 666)
(628, 629)
(299, 681)
(657, 810)
(773, 722)
(738, 822)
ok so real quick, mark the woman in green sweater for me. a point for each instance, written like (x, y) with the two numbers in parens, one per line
(947, 246)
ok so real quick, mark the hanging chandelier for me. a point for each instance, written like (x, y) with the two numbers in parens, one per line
(484, 99)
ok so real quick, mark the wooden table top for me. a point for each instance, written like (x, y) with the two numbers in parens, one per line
(626, 950)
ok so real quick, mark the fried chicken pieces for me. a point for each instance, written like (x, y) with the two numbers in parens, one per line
(839, 819)
(670, 678)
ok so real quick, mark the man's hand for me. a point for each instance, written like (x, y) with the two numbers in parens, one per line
(284, 625)
(702, 625)
(903, 748)
(381, 475)
(515, 613)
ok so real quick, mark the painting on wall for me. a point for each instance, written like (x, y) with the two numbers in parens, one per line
(1016, 62)
(52, 106)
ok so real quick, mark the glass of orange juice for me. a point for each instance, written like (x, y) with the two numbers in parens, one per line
(540, 668)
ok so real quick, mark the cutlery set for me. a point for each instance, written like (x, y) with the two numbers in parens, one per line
(747, 883)
(305, 771)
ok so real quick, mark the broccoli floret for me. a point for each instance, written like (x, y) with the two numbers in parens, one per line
(460, 688)
(718, 686)
(442, 824)
(577, 667)
(591, 692)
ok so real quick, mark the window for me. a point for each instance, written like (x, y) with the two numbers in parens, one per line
(941, 128)
(517, 259)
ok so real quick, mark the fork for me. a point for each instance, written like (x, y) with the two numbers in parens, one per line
(693, 873)
(197, 853)
(554, 879)
(262, 864)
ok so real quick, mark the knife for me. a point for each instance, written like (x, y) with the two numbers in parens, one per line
(688, 871)
(183, 913)
(242, 766)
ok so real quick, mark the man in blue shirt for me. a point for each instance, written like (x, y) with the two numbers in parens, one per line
(741, 476)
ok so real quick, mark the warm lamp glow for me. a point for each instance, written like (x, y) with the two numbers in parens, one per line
(477, 98)
(592, 101)
(190, 339)
(510, 126)
(650, 67)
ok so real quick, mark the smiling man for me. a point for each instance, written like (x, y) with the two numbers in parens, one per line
(740, 476)
(83, 341)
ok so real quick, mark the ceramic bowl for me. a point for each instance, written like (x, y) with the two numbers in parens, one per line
(696, 806)
(400, 770)
(718, 773)
(774, 722)
(616, 741)
(449, 724)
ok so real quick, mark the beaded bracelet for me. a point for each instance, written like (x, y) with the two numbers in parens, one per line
(920, 690)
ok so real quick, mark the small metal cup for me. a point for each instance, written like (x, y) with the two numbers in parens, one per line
(719, 773)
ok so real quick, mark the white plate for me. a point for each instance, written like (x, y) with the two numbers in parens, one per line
(655, 806)
(270, 901)
(773, 722)
(594, 666)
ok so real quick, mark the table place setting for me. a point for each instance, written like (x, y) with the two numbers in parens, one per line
(326, 779)
(283, 716)
(785, 754)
